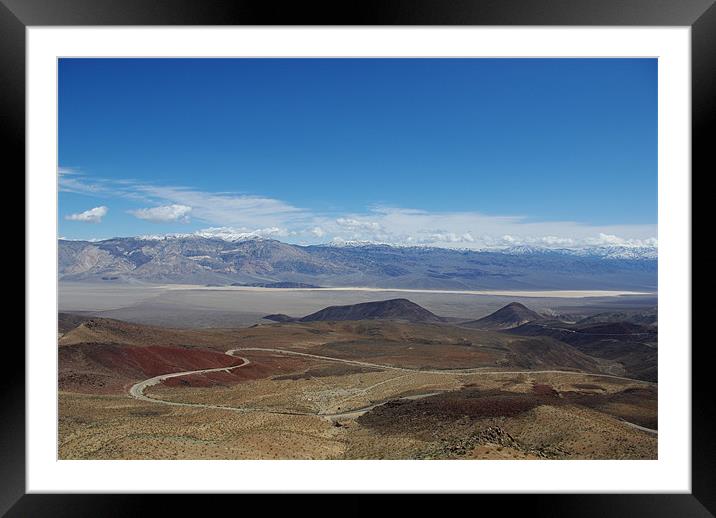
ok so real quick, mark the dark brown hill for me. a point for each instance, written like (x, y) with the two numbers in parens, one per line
(632, 345)
(507, 317)
(280, 317)
(393, 309)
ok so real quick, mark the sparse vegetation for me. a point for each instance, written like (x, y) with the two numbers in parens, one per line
(376, 388)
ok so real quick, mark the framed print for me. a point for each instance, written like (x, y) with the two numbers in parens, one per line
(416, 249)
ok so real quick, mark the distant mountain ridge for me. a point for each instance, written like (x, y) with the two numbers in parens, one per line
(252, 260)
(280, 284)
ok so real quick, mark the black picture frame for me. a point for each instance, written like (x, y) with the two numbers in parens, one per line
(700, 15)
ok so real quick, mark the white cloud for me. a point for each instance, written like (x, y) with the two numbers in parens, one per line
(317, 232)
(93, 215)
(476, 230)
(242, 214)
(65, 171)
(355, 224)
(217, 208)
(607, 239)
(227, 209)
(440, 236)
(556, 241)
(270, 232)
(164, 214)
(611, 240)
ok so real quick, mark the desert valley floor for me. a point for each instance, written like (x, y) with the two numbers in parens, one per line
(354, 375)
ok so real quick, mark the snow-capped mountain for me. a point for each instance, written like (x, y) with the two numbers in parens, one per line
(604, 252)
(218, 257)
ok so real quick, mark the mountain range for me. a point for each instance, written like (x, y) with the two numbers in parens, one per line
(258, 261)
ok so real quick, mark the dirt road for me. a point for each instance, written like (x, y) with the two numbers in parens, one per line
(477, 370)
(137, 390)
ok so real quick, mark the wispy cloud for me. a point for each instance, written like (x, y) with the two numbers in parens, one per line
(232, 213)
(317, 232)
(217, 208)
(476, 230)
(230, 209)
(356, 224)
(93, 215)
(164, 214)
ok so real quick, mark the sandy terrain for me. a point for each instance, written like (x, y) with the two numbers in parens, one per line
(307, 403)
(115, 426)
(118, 427)
(365, 389)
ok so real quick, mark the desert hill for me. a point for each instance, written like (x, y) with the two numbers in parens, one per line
(280, 317)
(646, 318)
(105, 354)
(392, 309)
(98, 330)
(507, 317)
(632, 345)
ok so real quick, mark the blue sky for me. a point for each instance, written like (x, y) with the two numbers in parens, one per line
(449, 152)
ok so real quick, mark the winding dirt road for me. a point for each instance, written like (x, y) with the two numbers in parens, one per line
(137, 390)
(458, 372)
